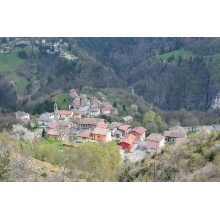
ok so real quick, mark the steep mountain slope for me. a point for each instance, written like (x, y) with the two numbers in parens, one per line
(170, 73)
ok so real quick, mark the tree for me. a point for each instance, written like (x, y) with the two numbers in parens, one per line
(152, 128)
(115, 104)
(149, 117)
(124, 108)
(22, 54)
(43, 133)
(159, 123)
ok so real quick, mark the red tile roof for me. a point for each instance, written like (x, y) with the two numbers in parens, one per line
(139, 130)
(102, 125)
(101, 131)
(115, 124)
(84, 133)
(89, 121)
(155, 137)
(124, 127)
(64, 112)
(129, 138)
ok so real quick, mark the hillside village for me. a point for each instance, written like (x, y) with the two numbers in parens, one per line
(45, 47)
(84, 122)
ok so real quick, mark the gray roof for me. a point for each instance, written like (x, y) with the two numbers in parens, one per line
(127, 118)
(19, 113)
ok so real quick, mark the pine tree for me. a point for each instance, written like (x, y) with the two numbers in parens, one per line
(115, 104)
(43, 133)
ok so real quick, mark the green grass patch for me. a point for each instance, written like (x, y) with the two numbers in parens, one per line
(62, 100)
(66, 51)
(9, 63)
(20, 83)
(52, 142)
(183, 53)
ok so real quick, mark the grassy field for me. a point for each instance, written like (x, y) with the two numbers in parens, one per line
(20, 83)
(184, 54)
(8, 66)
(9, 63)
(66, 51)
(62, 100)
(52, 142)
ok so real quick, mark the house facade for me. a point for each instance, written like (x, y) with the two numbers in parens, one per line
(64, 115)
(127, 119)
(138, 132)
(154, 141)
(88, 123)
(94, 112)
(46, 119)
(101, 135)
(125, 129)
(84, 135)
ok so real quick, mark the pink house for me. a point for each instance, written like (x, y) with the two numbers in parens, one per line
(154, 141)
(138, 132)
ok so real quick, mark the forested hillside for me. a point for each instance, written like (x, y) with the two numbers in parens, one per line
(169, 73)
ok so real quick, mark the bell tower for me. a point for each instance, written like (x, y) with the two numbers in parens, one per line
(55, 111)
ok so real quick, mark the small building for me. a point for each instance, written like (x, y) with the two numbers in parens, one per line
(125, 129)
(174, 133)
(102, 125)
(22, 116)
(73, 95)
(94, 112)
(126, 119)
(74, 123)
(127, 142)
(106, 110)
(171, 136)
(76, 113)
(64, 115)
(58, 134)
(84, 109)
(115, 124)
(84, 135)
(45, 119)
(101, 135)
(154, 141)
(58, 130)
(118, 134)
(138, 132)
(88, 123)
